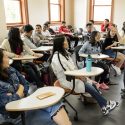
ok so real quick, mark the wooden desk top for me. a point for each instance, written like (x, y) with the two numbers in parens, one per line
(32, 102)
(82, 72)
(95, 56)
(43, 48)
(25, 57)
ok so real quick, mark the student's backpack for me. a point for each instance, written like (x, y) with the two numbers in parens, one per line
(47, 75)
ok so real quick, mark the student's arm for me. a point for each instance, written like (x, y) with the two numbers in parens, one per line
(36, 39)
(84, 48)
(106, 46)
(29, 44)
(24, 82)
(28, 50)
(7, 97)
(61, 30)
(5, 45)
(121, 33)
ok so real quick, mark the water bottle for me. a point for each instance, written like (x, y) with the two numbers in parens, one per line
(88, 63)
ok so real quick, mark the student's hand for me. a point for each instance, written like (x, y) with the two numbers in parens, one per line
(20, 91)
(38, 54)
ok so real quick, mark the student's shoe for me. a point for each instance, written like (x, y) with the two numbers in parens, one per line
(105, 111)
(112, 105)
(104, 86)
(117, 69)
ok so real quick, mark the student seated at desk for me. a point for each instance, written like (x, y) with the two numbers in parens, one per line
(15, 48)
(27, 36)
(52, 32)
(61, 60)
(45, 31)
(64, 30)
(93, 27)
(87, 31)
(105, 26)
(93, 46)
(13, 86)
(112, 40)
(38, 37)
(28, 40)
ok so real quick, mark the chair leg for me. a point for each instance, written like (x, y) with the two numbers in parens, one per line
(76, 113)
(66, 109)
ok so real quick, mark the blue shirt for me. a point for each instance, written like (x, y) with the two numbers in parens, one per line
(11, 86)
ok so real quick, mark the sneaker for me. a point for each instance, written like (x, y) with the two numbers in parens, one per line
(112, 105)
(104, 86)
(117, 69)
(105, 111)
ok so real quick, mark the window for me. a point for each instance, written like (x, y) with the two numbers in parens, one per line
(56, 10)
(16, 12)
(100, 10)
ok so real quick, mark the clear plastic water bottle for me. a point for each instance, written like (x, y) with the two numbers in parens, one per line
(88, 63)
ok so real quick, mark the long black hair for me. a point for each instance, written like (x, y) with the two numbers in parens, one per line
(15, 39)
(3, 72)
(58, 46)
(93, 42)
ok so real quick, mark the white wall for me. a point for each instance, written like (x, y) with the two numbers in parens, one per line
(119, 12)
(3, 28)
(118, 15)
(38, 11)
(69, 11)
(80, 13)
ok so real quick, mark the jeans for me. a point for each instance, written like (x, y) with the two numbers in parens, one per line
(95, 94)
(104, 77)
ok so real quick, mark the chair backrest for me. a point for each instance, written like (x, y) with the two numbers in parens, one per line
(77, 57)
(76, 51)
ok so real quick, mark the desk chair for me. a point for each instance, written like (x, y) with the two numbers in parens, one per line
(86, 96)
(77, 57)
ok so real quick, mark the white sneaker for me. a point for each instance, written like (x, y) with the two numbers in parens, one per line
(111, 105)
(105, 111)
(117, 69)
